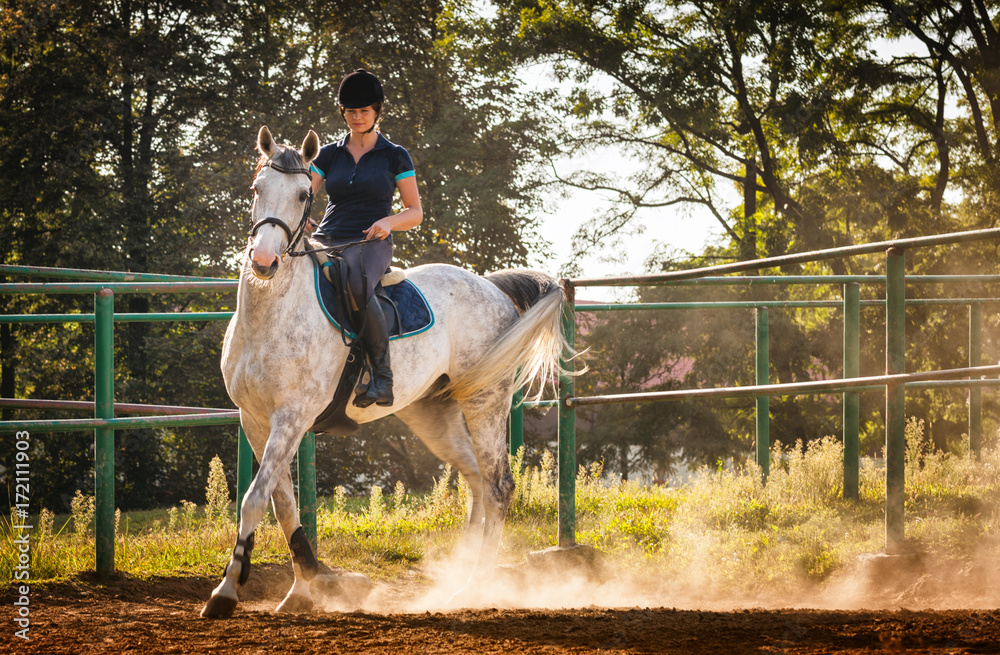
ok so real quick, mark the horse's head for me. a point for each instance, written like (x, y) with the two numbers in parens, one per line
(282, 199)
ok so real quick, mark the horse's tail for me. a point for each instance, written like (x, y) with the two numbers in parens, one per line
(529, 351)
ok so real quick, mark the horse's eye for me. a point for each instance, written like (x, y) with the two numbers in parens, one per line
(304, 196)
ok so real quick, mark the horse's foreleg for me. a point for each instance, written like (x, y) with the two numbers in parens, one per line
(304, 562)
(281, 445)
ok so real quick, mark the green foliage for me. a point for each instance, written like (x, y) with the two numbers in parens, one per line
(217, 492)
(836, 125)
(534, 488)
(83, 508)
(45, 553)
(130, 129)
(724, 532)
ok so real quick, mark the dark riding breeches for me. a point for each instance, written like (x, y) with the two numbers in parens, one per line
(368, 259)
(366, 262)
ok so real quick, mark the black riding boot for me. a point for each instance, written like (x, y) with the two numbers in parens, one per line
(376, 338)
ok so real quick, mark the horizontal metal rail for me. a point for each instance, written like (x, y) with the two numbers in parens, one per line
(761, 280)
(151, 317)
(794, 388)
(120, 408)
(779, 304)
(955, 384)
(94, 275)
(199, 286)
(722, 304)
(943, 301)
(923, 384)
(785, 260)
(87, 424)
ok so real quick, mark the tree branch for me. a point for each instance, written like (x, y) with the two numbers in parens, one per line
(985, 148)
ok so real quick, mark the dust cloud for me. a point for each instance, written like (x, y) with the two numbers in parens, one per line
(557, 580)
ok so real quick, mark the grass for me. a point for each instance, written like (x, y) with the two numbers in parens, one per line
(724, 530)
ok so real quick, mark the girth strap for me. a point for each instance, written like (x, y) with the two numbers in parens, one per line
(334, 419)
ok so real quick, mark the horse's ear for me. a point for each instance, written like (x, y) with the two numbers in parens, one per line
(265, 144)
(310, 147)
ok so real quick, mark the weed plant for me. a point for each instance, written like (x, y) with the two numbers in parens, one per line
(726, 531)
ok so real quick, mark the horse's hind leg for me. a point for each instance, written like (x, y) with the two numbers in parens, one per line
(304, 562)
(440, 425)
(487, 421)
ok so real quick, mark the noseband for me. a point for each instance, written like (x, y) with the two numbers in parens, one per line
(296, 236)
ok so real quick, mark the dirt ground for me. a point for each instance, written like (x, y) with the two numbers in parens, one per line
(128, 616)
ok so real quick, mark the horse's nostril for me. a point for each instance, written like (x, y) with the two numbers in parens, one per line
(264, 272)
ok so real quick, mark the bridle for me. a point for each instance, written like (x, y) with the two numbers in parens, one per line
(293, 237)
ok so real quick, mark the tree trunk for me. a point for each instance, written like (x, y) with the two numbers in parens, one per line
(748, 235)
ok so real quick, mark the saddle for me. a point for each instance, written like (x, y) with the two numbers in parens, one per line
(333, 293)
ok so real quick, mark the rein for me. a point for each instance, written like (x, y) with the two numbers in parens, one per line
(296, 236)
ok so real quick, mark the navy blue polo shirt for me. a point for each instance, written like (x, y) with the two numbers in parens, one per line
(359, 193)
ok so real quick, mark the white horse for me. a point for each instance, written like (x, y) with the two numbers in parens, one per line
(281, 360)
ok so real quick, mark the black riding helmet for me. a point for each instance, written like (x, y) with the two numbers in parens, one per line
(360, 89)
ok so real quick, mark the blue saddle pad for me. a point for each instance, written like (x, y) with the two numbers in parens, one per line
(415, 313)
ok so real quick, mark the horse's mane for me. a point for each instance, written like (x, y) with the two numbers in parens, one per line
(524, 288)
(287, 156)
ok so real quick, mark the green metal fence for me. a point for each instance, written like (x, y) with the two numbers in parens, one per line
(894, 382)
(105, 421)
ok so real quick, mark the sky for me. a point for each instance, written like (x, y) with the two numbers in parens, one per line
(679, 227)
(676, 227)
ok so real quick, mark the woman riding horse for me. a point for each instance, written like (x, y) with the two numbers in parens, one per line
(361, 173)
(491, 335)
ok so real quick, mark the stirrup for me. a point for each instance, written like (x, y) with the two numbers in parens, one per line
(372, 395)
(362, 389)
(363, 400)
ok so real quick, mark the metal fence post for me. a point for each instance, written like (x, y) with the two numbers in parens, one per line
(852, 402)
(567, 430)
(307, 486)
(763, 360)
(516, 425)
(975, 393)
(895, 400)
(104, 438)
(244, 469)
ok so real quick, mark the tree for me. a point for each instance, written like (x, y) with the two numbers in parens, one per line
(829, 140)
(625, 355)
(127, 129)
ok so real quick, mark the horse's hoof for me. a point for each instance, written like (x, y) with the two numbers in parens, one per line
(219, 607)
(296, 604)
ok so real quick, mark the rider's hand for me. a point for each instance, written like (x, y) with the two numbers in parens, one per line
(380, 229)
